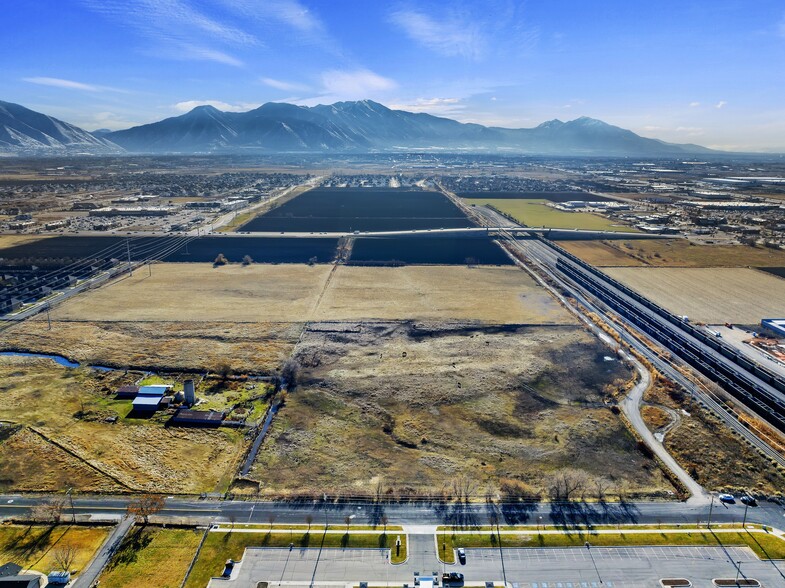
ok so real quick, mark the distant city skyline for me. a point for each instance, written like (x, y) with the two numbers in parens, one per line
(710, 73)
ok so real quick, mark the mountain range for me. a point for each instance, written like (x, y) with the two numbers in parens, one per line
(361, 126)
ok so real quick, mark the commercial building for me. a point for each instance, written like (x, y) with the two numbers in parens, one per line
(132, 211)
(777, 326)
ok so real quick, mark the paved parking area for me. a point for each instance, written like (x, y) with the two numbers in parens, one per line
(577, 567)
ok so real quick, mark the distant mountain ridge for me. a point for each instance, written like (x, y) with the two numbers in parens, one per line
(359, 126)
(25, 131)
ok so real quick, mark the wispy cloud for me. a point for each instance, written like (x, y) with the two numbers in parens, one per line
(288, 12)
(694, 104)
(474, 32)
(720, 104)
(355, 84)
(447, 34)
(70, 85)
(182, 30)
(60, 83)
(439, 106)
(189, 105)
(284, 85)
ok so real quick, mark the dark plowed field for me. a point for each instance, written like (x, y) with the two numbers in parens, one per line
(774, 271)
(427, 250)
(61, 250)
(552, 196)
(361, 209)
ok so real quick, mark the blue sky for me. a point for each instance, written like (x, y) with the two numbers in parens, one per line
(685, 71)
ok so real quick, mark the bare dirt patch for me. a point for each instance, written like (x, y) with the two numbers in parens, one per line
(418, 408)
(710, 295)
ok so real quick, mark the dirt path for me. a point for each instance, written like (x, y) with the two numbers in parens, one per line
(631, 406)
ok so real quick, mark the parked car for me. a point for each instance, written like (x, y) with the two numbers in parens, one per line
(748, 500)
(452, 579)
(727, 498)
(462, 555)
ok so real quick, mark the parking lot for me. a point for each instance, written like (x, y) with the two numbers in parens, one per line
(622, 567)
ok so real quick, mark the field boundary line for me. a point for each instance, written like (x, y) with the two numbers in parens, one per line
(74, 454)
(195, 557)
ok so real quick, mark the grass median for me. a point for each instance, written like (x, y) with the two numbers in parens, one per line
(765, 545)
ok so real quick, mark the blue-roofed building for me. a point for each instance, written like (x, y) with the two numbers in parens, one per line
(149, 398)
(777, 326)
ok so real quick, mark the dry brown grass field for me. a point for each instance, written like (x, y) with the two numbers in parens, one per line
(14, 240)
(242, 347)
(190, 292)
(66, 410)
(498, 295)
(34, 546)
(673, 253)
(709, 451)
(710, 295)
(187, 292)
(425, 407)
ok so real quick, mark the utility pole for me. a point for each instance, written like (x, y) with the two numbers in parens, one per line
(744, 522)
(70, 493)
(48, 318)
(711, 508)
(149, 268)
(128, 249)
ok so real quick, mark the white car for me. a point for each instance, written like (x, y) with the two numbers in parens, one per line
(727, 498)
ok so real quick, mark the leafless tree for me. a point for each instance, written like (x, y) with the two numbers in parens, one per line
(348, 520)
(145, 506)
(50, 510)
(309, 521)
(65, 556)
(567, 486)
(271, 520)
(247, 260)
(384, 520)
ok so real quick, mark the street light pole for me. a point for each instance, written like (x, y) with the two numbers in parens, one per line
(711, 507)
(738, 571)
(594, 563)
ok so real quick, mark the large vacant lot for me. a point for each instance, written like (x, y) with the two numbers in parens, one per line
(361, 209)
(194, 316)
(299, 293)
(673, 253)
(536, 213)
(404, 408)
(711, 295)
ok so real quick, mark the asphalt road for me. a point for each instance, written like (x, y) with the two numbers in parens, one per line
(207, 511)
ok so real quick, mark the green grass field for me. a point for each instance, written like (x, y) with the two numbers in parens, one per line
(765, 545)
(35, 546)
(535, 213)
(222, 546)
(152, 557)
